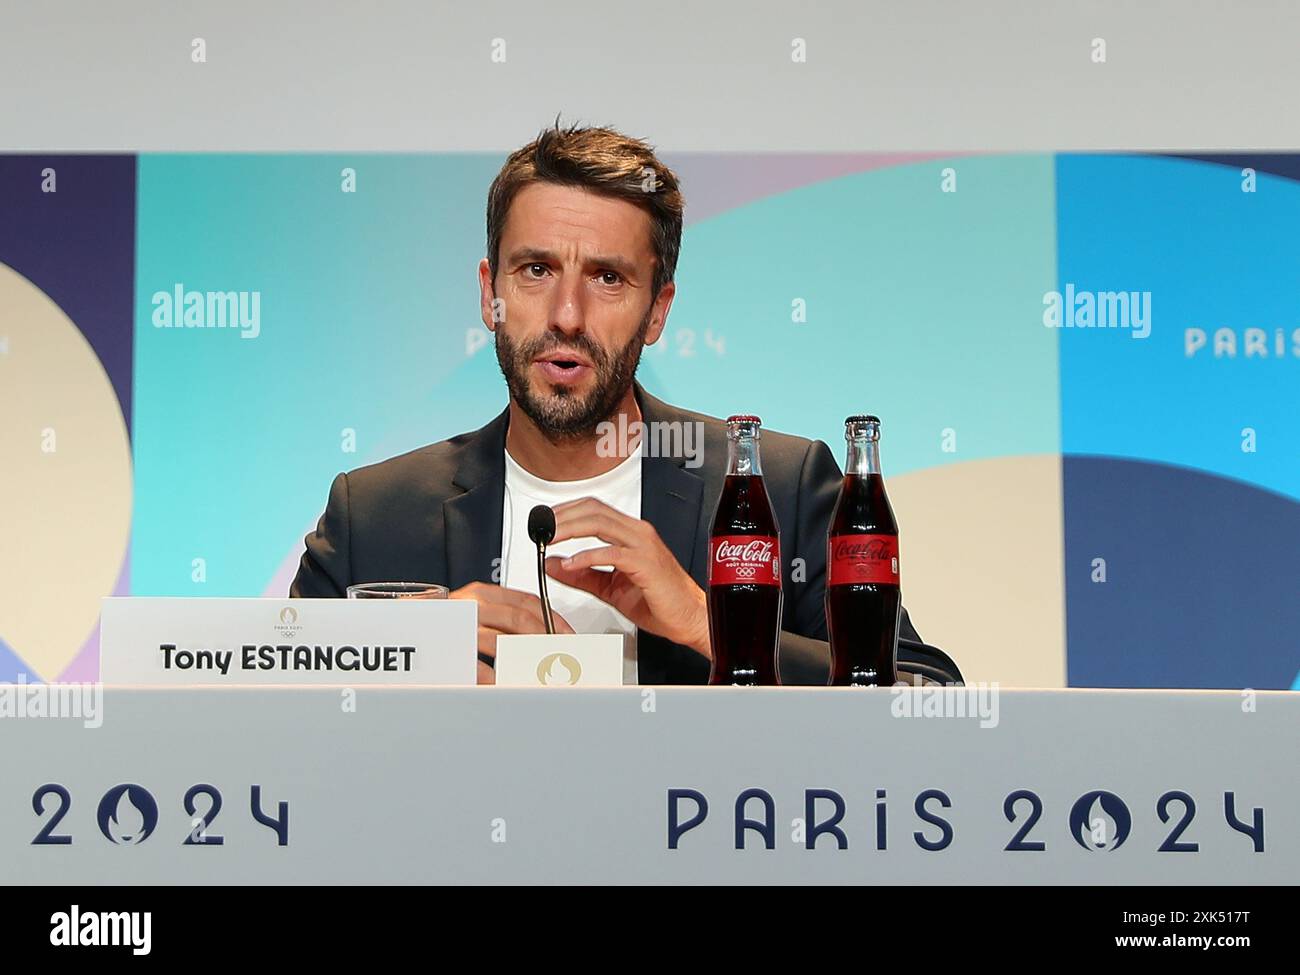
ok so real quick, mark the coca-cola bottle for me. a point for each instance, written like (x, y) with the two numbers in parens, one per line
(863, 600)
(744, 573)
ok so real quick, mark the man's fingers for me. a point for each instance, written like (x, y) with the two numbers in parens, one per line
(582, 504)
(612, 555)
(501, 596)
(589, 517)
(489, 631)
(509, 610)
(511, 619)
(589, 580)
(599, 526)
(486, 675)
(531, 605)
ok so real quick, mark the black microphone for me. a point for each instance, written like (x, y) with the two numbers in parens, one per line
(541, 529)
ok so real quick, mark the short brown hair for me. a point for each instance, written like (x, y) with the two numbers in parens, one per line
(603, 161)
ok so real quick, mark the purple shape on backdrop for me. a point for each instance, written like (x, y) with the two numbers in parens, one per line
(722, 181)
(78, 246)
(1284, 164)
(1201, 577)
(85, 665)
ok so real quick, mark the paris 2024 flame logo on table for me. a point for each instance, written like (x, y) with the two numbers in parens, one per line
(127, 814)
(1099, 821)
(559, 670)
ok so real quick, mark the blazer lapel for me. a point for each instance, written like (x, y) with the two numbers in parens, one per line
(473, 519)
(671, 495)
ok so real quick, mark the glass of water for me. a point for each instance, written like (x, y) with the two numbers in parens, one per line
(397, 590)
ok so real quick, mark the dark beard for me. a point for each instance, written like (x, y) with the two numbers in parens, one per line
(564, 416)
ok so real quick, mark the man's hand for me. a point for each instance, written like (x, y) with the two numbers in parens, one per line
(502, 610)
(648, 584)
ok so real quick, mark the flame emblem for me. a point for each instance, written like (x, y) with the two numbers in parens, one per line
(1099, 821)
(288, 615)
(558, 669)
(127, 814)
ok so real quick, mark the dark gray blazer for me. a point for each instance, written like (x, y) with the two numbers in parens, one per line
(434, 515)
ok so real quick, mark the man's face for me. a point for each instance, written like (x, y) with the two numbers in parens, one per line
(573, 283)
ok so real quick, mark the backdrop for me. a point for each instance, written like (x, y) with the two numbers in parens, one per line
(1086, 367)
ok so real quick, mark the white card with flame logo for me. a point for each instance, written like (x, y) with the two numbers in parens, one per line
(560, 660)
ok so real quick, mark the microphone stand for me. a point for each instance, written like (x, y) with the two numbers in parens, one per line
(541, 588)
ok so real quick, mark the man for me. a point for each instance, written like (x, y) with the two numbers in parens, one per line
(583, 232)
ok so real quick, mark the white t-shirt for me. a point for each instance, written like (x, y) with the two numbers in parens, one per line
(619, 488)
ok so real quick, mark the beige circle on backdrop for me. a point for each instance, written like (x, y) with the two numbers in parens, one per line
(982, 557)
(65, 490)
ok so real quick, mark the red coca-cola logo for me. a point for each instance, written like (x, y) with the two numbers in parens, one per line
(758, 550)
(875, 548)
(735, 559)
(862, 559)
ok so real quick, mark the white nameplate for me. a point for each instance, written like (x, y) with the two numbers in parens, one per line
(182, 640)
(560, 660)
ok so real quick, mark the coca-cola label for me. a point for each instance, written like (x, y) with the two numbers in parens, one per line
(737, 559)
(862, 558)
